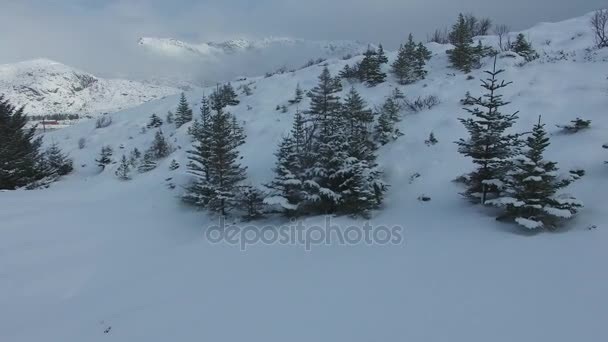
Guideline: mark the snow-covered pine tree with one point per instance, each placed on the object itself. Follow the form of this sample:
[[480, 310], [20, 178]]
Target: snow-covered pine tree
[[380, 55], [403, 66], [298, 97], [155, 121], [105, 157], [216, 169], [252, 200], [531, 187], [369, 69], [134, 157], [293, 159], [124, 171], [350, 73], [488, 144], [147, 163], [463, 57], [21, 162], [423, 55], [183, 114], [230, 98], [169, 117], [160, 147], [523, 48], [58, 163]]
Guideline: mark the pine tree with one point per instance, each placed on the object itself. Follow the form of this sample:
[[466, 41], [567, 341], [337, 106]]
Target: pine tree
[[287, 187], [147, 164], [350, 73], [105, 157], [369, 69], [488, 144], [252, 199], [20, 157], [160, 147], [463, 57], [404, 66], [324, 101], [155, 121], [384, 131], [299, 95], [523, 48], [216, 169], [380, 55], [174, 165], [531, 187], [183, 114], [169, 118], [134, 157], [58, 163], [431, 140], [423, 55], [124, 171], [229, 95]]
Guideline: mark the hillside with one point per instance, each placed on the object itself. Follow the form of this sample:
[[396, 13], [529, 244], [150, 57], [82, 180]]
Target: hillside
[[48, 87], [93, 258]]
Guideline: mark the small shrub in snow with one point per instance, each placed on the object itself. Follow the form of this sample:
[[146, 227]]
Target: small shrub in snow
[[155, 121], [424, 198], [147, 163], [252, 200], [421, 103], [575, 126], [283, 109], [123, 172], [431, 140], [82, 142], [174, 165], [103, 121], [105, 157]]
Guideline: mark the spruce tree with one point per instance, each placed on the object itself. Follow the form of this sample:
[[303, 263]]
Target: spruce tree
[[160, 147], [20, 157], [169, 117], [105, 157], [380, 55], [155, 121], [299, 95], [134, 157], [124, 171], [147, 164], [287, 187], [403, 66], [252, 200], [216, 169], [523, 48], [463, 57], [369, 69], [229, 96], [423, 55], [531, 187], [183, 114], [58, 163], [488, 144]]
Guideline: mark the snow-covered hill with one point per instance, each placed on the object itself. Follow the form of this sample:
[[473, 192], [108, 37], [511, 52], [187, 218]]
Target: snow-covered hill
[[94, 259], [48, 87]]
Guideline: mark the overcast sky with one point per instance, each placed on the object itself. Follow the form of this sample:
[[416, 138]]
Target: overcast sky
[[97, 35]]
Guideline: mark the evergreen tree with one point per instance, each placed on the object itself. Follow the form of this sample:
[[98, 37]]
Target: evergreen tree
[[531, 187], [134, 157], [385, 131], [147, 164], [20, 157], [431, 140], [105, 157], [124, 171], [183, 114], [463, 57], [299, 95], [155, 121], [380, 55], [488, 144], [403, 67], [229, 95], [216, 169], [252, 199], [523, 48], [287, 187], [169, 118], [160, 147], [350, 73], [58, 163], [423, 55], [369, 69]]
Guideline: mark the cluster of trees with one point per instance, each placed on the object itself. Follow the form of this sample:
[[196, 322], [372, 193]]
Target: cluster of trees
[[23, 163], [465, 55], [512, 173], [476, 27], [368, 70], [327, 164], [411, 59], [57, 117]]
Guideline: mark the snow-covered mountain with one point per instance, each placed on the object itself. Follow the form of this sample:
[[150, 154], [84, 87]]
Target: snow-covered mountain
[[177, 48], [48, 87], [94, 258]]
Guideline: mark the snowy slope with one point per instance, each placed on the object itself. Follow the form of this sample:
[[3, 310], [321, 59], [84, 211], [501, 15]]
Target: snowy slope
[[48, 87], [92, 252]]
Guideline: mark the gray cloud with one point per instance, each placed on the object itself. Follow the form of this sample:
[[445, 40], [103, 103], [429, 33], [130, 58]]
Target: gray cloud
[[101, 36]]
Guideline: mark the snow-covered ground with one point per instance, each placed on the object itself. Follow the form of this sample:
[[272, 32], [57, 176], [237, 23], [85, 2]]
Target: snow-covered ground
[[93, 258]]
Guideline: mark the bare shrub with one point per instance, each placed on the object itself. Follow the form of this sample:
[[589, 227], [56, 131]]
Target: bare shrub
[[421, 103], [103, 121], [599, 23], [440, 36], [502, 31]]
